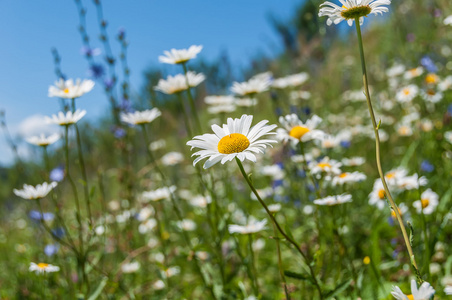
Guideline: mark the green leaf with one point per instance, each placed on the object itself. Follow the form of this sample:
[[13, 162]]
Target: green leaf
[[339, 289], [297, 276], [99, 289]]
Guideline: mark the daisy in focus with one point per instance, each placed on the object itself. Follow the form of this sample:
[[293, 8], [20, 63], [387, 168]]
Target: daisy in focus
[[181, 56], [236, 139], [352, 9], [41, 268], [141, 117], [295, 131], [425, 292], [30, 192], [68, 89]]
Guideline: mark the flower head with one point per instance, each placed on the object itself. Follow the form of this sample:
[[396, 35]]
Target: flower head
[[429, 201], [66, 119], [68, 89], [425, 292], [43, 268], [178, 83], [334, 200], [42, 140], [255, 85], [181, 56], [158, 194], [352, 9], [234, 139], [141, 117], [253, 226], [295, 130], [30, 192]]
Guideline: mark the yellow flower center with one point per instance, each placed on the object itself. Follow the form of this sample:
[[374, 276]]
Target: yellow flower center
[[324, 165], [366, 260], [425, 203], [343, 175], [410, 297], [66, 90], [381, 194], [43, 265], [390, 175], [404, 130], [355, 12], [233, 143], [394, 214], [431, 92], [431, 78], [297, 132], [406, 92]]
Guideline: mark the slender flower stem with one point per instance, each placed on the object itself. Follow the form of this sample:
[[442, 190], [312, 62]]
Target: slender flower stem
[[83, 169], [253, 265], [377, 144], [280, 266], [290, 240], [191, 100], [184, 112]]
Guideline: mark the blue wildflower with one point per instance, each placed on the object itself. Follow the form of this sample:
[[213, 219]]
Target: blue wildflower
[[51, 249], [426, 166], [37, 216], [96, 71], [428, 64], [57, 174]]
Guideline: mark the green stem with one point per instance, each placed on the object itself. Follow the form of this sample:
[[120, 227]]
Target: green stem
[[184, 113], [253, 265], [191, 100], [290, 240], [377, 144], [280, 266]]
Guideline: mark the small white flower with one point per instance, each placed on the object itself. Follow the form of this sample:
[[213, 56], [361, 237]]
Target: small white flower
[[178, 83], [425, 292], [246, 102], [326, 165], [395, 70], [186, 224], [30, 192], [274, 208], [348, 177], [145, 213], [445, 84], [130, 267], [181, 56], [234, 139], [41, 268], [290, 81], [147, 226], [172, 158], [200, 201], [413, 73], [66, 119], [351, 9], [429, 201], [253, 86], [353, 161], [431, 95], [42, 140], [219, 100], [158, 194], [295, 130], [411, 182], [378, 195], [273, 171], [448, 289], [69, 89], [216, 109], [448, 20], [334, 200], [407, 93], [141, 117], [158, 285], [448, 136], [404, 129], [253, 226]]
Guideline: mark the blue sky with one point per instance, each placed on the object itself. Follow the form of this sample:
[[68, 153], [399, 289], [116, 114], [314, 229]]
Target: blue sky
[[29, 29]]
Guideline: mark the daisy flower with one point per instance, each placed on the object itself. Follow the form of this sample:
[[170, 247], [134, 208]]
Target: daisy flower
[[395, 175], [428, 203], [404, 129], [445, 84], [172, 158], [395, 70], [334, 200], [295, 130], [131, 267], [448, 20], [158, 194], [186, 224], [413, 73], [378, 195], [353, 161], [41, 268], [69, 89], [67, 119], [253, 226], [216, 109], [448, 289], [290, 81], [351, 9], [425, 292], [234, 140], [141, 117], [431, 95], [253, 86], [407, 94], [219, 100], [178, 83], [432, 78], [274, 208], [181, 56], [327, 165], [448, 136], [348, 177], [30, 192], [42, 140], [411, 182]]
